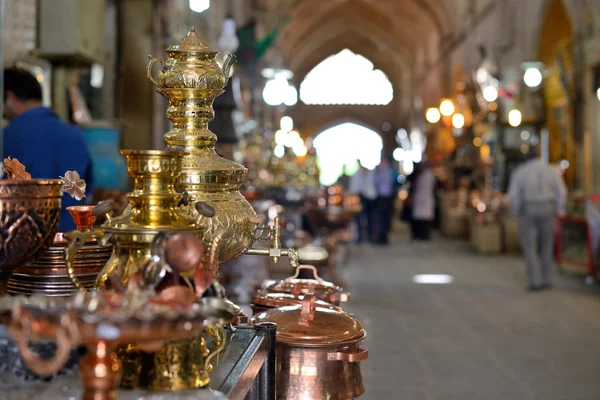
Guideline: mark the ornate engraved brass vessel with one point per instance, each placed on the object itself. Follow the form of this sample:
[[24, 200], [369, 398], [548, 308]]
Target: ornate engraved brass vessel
[[153, 209], [190, 80], [29, 211]]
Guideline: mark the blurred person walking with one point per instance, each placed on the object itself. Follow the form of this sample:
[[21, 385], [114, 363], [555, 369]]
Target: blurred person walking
[[384, 186], [362, 184], [537, 195], [423, 202]]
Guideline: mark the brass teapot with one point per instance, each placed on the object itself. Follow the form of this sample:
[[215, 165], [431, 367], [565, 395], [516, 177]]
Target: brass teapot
[[153, 208], [191, 65], [190, 80]]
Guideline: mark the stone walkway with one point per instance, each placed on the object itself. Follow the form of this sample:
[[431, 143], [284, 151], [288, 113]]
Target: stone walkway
[[482, 337]]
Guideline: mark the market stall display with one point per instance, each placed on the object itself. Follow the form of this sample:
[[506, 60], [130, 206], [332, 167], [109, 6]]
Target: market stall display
[[141, 291], [487, 212]]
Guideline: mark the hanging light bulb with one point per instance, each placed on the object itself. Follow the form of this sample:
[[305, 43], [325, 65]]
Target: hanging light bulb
[[272, 92], [532, 77], [458, 120], [490, 94], [432, 115], [280, 137], [199, 5], [514, 117], [228, 42], [277, 91], [446, 107], [286, 123], [291, 96], [279, 151]]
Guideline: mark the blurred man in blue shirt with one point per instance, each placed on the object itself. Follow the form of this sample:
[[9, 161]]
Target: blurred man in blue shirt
[[47, 146]]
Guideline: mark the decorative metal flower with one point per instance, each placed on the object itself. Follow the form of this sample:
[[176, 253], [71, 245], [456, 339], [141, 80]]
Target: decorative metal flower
[[14, 169], [73, 184]]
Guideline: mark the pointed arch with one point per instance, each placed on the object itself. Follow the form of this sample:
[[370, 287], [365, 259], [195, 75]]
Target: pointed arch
[[334, 82]]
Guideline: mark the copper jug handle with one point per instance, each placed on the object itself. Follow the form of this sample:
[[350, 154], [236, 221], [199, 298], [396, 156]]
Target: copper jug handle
[[76, 240], [149, 70], [308, 309], [301, 267], [361, 355], [21, 332]]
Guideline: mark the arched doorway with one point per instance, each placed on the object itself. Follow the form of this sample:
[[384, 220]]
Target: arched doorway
[[343, 148], [556, 52]]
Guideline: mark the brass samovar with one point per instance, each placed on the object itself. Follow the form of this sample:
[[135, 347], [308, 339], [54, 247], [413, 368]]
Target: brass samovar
[[153, 209], [191, 79]]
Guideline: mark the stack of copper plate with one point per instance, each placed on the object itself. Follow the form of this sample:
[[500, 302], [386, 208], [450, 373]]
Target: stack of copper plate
[[48, 275]]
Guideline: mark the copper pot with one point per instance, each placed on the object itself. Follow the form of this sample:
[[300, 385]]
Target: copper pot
[[322, 289], [318, 352], [268, 301]]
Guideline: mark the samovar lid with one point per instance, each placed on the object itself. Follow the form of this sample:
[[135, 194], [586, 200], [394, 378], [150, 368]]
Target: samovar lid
[[192, 43]]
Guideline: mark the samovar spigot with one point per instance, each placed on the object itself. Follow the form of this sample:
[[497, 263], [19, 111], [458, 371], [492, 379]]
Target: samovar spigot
[[275, 251]]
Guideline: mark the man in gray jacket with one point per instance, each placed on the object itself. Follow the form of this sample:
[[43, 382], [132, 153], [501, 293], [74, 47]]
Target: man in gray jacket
[[537, 196]]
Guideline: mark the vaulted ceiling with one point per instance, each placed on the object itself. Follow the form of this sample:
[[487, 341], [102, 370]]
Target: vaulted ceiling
[[396, 35]]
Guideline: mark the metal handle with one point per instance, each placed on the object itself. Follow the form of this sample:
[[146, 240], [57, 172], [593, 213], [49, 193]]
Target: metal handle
[[361, 355], [103, 208], [76, 240], [149, 70], [308, 309], [301, 267], [227, 64], [218, 334], [41, 366], [205, 209]]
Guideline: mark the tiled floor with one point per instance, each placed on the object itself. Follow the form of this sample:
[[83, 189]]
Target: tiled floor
[[481, 337]]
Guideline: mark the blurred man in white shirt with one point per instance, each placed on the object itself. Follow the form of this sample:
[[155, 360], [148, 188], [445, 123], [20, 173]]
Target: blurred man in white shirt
[[537, 196]]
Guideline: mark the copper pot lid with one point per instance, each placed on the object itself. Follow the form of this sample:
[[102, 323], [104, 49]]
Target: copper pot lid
[[309, 325], [277, 300], [296, 286]]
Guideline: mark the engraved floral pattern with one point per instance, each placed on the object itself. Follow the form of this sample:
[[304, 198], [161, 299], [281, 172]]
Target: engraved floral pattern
[[231, 212], [29, 215]]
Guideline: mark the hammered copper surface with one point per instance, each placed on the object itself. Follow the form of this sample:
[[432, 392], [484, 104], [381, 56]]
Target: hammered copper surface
[[29, 213], [318, 352], [308, 374], [324, 327]]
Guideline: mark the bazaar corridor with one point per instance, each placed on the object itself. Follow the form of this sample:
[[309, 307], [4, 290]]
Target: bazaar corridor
[[480, 337]]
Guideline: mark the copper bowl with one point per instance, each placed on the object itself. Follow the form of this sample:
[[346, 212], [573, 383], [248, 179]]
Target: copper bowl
[[29, 211]]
